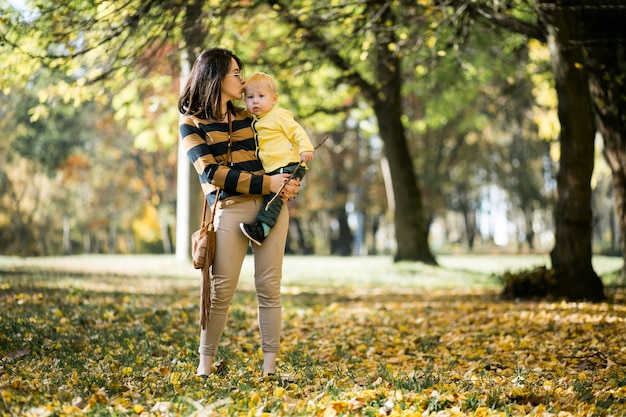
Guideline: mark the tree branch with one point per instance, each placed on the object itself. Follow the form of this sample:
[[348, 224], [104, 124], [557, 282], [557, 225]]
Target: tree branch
[[325, 47], [507, 22]]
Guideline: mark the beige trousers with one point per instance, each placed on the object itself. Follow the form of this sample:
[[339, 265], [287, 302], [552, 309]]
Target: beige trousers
[[230, 250]]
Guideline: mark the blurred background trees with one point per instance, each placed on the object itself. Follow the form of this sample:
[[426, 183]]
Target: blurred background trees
[[442, 123]]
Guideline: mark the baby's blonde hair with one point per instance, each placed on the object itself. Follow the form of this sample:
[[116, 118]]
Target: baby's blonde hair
[[263, 78]]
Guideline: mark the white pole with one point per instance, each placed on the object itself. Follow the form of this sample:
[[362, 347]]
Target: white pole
[[183, 234]]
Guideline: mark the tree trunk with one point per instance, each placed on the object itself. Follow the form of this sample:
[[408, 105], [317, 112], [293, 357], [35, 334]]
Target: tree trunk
[[604, 42], [67, 240], [409, 220], [530, 233], [384, 95], [373, 247], [469, 221], [410, 226], [166, 237], [341, 237], [571, 255], [299, 242]]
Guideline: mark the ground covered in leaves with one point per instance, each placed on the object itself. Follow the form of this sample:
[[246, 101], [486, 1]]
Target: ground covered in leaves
[[116, 345]]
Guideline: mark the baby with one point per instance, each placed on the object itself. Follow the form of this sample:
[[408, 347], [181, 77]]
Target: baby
[[284, 147]]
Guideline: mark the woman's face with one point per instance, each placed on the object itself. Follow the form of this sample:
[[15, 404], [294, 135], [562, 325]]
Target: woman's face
[[233, 83]]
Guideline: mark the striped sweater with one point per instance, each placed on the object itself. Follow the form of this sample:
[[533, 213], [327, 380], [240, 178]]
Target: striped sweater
[[206, 145]]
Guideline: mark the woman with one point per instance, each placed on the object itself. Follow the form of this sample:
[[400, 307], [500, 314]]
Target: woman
[[206, 105]]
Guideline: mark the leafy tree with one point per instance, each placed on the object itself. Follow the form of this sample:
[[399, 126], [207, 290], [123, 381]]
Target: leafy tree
[[79, 207], [138, 27], [369, 63], [34, 150], [80, 42], [50, 138], [577, 32], [369, 66], [466, 111], [571, 256], [601, 34]]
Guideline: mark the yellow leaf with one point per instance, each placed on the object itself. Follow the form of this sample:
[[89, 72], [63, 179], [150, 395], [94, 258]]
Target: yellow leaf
[[330, 411]]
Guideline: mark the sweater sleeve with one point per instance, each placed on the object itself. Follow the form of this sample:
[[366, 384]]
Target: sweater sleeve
[[294, 131], [208, 151]]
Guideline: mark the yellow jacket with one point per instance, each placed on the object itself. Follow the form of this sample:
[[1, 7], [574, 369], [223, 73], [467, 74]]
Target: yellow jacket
[[281, 139]]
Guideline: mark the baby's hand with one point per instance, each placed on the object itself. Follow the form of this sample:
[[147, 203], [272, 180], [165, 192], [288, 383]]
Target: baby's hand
[[306, 156]]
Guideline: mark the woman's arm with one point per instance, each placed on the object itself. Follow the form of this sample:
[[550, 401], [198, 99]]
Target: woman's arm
[[244, 175], [209, 160]]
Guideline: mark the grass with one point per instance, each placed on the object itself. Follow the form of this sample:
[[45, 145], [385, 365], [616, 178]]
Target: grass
[[455, 271], [117, 335]]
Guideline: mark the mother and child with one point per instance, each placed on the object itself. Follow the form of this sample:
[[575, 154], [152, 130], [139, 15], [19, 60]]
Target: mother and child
[[248, 154]]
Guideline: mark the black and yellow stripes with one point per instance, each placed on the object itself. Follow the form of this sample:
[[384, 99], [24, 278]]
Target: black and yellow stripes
[[206, 145]]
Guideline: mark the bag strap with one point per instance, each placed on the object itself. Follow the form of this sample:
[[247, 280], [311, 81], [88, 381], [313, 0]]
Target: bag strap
[[217, 191]]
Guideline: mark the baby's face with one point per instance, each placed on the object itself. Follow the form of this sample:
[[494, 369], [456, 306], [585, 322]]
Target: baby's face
[[259, 99]]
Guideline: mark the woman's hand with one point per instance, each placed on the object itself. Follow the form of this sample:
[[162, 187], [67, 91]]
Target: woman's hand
[[290, 189]]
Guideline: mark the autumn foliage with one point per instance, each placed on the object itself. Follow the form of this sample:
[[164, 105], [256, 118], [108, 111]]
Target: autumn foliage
[[80, 344]]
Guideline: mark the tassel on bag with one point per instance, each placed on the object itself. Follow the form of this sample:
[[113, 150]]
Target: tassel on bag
[[205, 298], [202, 257]]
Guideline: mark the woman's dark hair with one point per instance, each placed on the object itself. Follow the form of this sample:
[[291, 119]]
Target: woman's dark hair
[[201, 95]]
